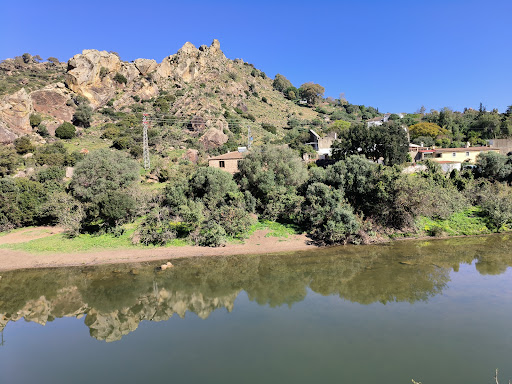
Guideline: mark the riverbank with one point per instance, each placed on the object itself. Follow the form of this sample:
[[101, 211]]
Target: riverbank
[[257, 243]]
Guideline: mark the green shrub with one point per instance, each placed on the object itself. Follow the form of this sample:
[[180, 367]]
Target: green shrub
[[211, 235], [157, 228], [264, 99], [42, 131], [119, 78], [65, 131], [269, 128], [83, 116], [35, 120], [103, 72], [23, 145]]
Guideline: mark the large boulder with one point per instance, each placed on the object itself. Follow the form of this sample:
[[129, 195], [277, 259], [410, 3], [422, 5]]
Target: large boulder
[[145, 66], [213, 138], [15, 111], [90, 75]]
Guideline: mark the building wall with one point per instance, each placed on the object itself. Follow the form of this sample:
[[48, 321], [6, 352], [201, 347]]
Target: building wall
[[504, 145], [469, 156], [230, 165]]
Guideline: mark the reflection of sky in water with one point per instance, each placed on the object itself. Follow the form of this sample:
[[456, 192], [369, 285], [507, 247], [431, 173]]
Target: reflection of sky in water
[[453, 326]]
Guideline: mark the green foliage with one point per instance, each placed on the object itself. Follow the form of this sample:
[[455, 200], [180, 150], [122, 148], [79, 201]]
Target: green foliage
[[42, 131], [82, 116], [10, 216], [494, 166], [496, 204], [63, 210], [273, 176], [326, 215], [211, 235], [281, 83], [104, 182], [23, 145], [30, 196], [467, 223], [35, 120], [426, 129], [311, 92], [269, 128], [65, 131], [157, 228], [388, 142], [103, 72], [211, 186], [120, 79], [9, 160]]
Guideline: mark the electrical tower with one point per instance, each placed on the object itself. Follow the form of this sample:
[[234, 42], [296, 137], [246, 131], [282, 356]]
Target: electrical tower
[[145, 147]]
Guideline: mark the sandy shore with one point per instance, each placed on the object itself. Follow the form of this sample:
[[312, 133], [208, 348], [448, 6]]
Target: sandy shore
[[256, 244]]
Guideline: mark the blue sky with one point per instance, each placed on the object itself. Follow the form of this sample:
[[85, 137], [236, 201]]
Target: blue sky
[[394, 55]]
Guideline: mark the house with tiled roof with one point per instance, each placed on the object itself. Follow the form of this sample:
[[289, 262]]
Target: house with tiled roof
[[228, 161]]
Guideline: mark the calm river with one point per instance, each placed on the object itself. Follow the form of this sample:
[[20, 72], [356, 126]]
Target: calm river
[[434, 311]]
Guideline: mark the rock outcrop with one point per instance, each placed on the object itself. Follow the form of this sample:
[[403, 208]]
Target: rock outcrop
[[88, 73], [15, 111], [213, 138], [52, 102]]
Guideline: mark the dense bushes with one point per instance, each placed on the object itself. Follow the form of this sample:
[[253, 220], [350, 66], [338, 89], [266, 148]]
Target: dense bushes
[[105, 183]]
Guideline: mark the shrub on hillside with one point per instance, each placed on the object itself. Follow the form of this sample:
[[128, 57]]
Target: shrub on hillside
[[35, 120], [42, 131], [119, 78], [23, 145], [65, 131], [8, 160], [83, 116]]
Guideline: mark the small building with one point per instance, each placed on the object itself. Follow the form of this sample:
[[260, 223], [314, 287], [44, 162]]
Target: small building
[[460, 155], [322, 145], [228, 161], [379, 120], [415, 151]]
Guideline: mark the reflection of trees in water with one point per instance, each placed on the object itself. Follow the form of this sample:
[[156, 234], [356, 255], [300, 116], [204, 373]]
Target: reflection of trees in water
[[115, 302]]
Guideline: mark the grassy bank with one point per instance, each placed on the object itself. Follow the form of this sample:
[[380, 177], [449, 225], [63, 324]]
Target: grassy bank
[[60, 243]]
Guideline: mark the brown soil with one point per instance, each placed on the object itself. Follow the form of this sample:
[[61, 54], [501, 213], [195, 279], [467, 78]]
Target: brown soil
[[256, 244], [28, 234]]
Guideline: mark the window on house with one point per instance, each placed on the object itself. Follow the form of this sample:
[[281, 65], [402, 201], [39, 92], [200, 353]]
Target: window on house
[[454, 154], [222, 164], [467, 154]]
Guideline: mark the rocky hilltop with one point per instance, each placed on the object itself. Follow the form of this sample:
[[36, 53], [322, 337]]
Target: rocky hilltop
[[199, 86]]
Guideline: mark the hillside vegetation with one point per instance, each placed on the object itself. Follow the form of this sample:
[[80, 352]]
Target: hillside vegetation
[[87, 115]]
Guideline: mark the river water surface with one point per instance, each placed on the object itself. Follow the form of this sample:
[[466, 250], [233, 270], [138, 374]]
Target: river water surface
[[434, 311]]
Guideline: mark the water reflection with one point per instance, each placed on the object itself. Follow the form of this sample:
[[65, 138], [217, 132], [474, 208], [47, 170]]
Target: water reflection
[[115, 299]]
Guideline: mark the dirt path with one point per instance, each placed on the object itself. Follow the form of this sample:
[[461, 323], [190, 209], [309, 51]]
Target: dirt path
[[256, 244], [27, 234]]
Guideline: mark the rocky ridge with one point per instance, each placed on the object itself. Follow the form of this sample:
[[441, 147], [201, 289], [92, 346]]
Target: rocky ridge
[[200, 82]]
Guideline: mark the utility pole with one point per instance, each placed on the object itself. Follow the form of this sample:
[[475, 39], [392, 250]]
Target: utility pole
[[145, 146], [249, 138]]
